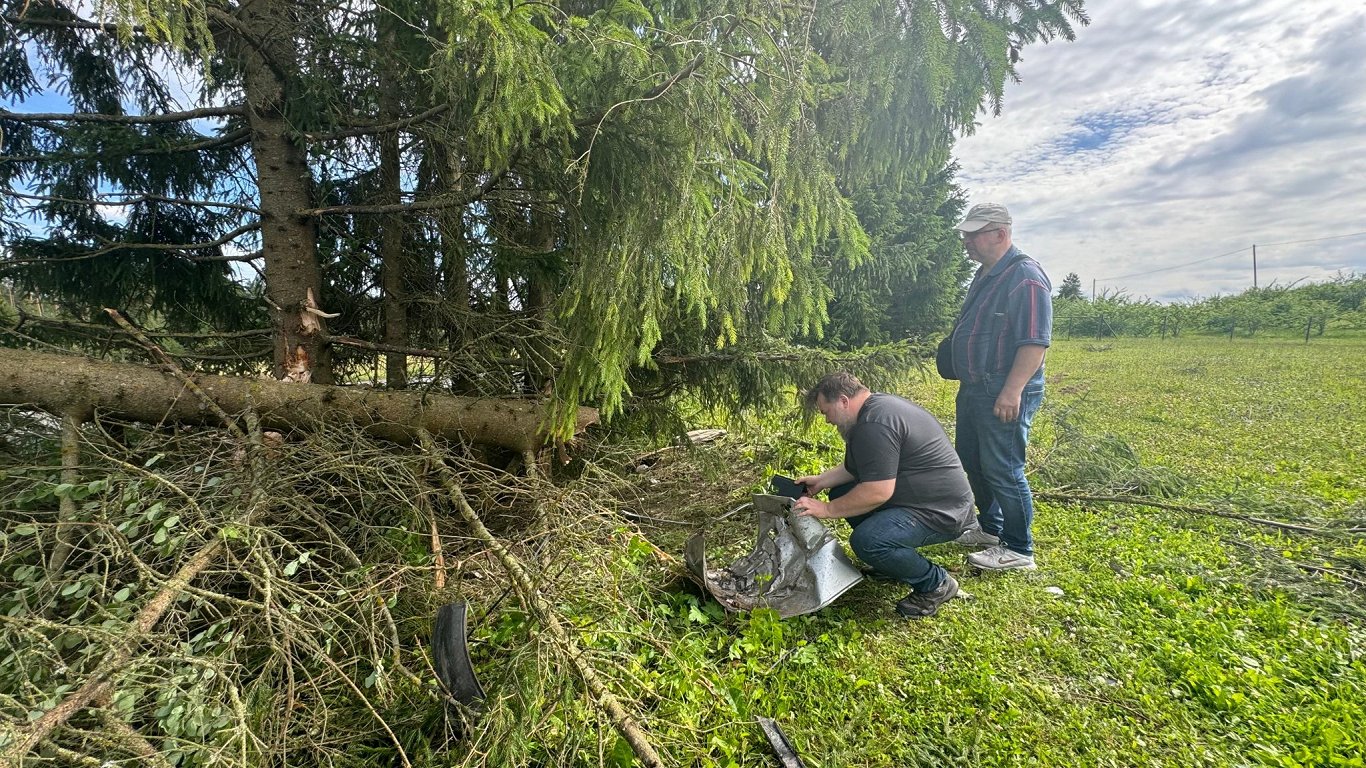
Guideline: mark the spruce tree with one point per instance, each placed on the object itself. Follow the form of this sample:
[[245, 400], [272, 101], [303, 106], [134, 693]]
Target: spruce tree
[[1071, 287], [573, 198]]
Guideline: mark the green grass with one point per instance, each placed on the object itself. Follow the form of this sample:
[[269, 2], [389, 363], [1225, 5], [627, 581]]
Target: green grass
[[1179, 640], [1277, 414]]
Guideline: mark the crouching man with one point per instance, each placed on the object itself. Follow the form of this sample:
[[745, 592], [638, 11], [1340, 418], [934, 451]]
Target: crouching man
[[901, 487]]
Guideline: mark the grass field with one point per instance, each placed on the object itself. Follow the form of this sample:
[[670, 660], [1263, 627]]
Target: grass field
[[1180, 638]]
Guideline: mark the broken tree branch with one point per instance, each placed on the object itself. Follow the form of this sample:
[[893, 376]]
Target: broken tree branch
[[66, 512], [101, 682], [532, 599], [1191, 508], [170, 367]]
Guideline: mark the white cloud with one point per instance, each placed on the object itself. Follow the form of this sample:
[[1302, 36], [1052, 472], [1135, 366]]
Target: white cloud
[[1172, 131]]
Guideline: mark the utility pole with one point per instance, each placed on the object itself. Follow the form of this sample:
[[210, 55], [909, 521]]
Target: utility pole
[[1254, 265], [1093, 290]]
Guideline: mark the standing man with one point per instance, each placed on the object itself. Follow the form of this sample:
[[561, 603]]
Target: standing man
[[998, 347], [901, 487]]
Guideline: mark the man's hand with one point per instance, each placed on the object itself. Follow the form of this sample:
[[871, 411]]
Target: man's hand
[[1007, 406], [812, 507], [1028, 358], [812, 483]]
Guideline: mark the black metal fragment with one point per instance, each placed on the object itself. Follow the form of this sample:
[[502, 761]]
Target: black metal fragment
[[787, 754], [451, 655]]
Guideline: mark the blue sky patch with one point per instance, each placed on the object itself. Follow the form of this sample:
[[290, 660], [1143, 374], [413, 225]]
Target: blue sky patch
[[1096, 130]]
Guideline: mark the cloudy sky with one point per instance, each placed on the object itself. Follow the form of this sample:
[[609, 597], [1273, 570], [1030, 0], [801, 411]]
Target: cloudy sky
[[1153, 152]]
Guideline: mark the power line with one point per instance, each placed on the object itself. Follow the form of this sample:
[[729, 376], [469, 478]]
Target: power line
[[1314, 240], [1177, 266], [1231, 253]]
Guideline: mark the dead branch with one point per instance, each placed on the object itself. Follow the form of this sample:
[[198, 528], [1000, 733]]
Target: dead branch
[[66, 513], [532, 600], [369, 129], [101, 681], [26, 318], [1190, 508], [80, 117], [418, 205], [170, 366]]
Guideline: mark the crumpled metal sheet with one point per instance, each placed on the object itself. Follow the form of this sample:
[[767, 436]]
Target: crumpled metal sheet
[[797, 565]]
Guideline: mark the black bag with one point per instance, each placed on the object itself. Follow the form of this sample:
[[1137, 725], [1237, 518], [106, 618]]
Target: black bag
[[943, 359]]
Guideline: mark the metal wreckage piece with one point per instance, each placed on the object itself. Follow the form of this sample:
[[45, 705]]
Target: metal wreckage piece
[[782, 746], [797, 565], [451, 654]]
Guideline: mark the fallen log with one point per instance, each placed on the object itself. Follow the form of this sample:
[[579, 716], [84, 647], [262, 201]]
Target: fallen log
[[72, 384]]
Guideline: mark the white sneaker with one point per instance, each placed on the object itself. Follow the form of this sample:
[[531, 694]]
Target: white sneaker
[[976, 537], [999, 558]]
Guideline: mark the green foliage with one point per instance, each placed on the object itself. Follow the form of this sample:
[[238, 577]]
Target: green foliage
[[912, 285], [284, 635], [180, 23], [599, 186], [1294, 310]]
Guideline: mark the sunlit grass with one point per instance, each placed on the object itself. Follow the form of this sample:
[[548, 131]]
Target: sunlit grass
[[1178, 640]]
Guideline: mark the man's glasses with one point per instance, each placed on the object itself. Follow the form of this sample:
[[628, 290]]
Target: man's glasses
[[970, 235]]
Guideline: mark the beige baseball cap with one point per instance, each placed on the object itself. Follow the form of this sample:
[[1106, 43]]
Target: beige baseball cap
[[983, 215]]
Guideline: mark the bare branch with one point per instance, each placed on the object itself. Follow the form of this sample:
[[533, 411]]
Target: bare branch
[[226, 141], [26, 318], [654, 93], [418, 205], [172, 368], [368, 129], [349, 341], [101, 682], [133, 201], [112, 247], [1191, 508], [82, 117]]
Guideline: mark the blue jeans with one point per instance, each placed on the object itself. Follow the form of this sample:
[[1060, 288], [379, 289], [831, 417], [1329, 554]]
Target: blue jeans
[[887, 540], [993, 455]]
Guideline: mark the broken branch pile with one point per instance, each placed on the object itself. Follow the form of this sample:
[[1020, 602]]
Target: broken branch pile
[[212, 609]]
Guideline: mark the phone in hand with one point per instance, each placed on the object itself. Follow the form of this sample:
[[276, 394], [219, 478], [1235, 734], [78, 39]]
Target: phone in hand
[[786, 486]]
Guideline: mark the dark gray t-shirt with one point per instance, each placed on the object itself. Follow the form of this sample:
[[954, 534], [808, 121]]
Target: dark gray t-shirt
[[895, 438]]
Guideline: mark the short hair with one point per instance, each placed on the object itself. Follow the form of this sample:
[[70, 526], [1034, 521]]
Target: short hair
[[832, 385]]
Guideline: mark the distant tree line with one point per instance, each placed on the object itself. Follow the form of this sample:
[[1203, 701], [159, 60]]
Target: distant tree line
[[1314, 309]]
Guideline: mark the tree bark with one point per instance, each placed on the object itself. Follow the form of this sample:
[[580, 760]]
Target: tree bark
[[66, 512], [393, 268], [264, 39], [455, 278], [63, 384], [541, 292]]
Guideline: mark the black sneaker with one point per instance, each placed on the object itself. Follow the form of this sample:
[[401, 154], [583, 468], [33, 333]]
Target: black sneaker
[[919, 605]]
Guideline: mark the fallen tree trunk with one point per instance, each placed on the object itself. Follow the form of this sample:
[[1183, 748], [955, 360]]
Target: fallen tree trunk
[[62, 384]]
